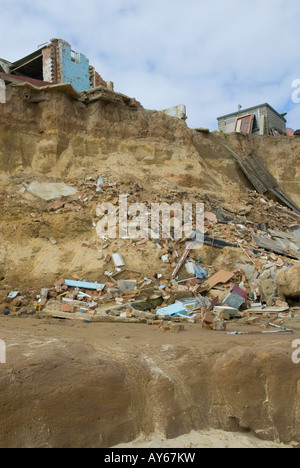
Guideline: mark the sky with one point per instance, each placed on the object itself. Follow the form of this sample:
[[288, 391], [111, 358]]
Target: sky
[[210, 55]]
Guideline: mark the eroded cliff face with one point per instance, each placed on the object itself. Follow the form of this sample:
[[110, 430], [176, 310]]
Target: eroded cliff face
[[144, 153], [62, 136]]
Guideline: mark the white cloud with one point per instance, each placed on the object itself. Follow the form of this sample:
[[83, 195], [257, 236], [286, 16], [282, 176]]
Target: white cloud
[[209, 55]]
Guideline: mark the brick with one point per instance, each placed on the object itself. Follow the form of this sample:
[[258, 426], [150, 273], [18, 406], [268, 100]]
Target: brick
[[266, 315], [278, 322], [56, 205], [59, 282], [156, 323], [65, 308], [252, 320], [208, 317]]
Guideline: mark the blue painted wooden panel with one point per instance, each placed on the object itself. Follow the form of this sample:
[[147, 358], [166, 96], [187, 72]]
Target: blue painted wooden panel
[[74, 72]]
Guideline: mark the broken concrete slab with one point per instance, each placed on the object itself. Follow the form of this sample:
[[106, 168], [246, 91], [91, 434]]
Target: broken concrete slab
[[127, 285], [249, 270], [118, 260], [269, 244], [51, 191]]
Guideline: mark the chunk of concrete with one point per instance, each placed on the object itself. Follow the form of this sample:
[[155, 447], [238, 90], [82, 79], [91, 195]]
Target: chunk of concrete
[[118, 260], [49, 191], [126, 286], [288, 282]]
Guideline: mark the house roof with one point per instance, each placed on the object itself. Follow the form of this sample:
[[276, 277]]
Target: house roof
[[17, 79], [243, 111]]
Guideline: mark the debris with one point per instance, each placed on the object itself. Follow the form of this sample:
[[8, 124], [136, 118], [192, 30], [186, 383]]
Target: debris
[[211, 217], [252, 320], [280, 329], [127, 286], [84, 284], [189, 303], [182, 260], [249, 270], [269, 244], [218, 243], [236, 298], [226, 313], [174, 310], [200, 273], [266, 310], [220, 277], [118, 260], [13, 294], [172, 328], [219, 325], [165, 258], [189, 267], [288, 282], [45, 293], [48, 191]]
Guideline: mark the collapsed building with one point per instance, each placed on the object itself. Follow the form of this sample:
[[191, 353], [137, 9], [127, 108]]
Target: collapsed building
[[54, 63]]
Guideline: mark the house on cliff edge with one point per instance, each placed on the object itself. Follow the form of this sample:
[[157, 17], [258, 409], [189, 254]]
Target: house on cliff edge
[[260, 120], [54, 63]]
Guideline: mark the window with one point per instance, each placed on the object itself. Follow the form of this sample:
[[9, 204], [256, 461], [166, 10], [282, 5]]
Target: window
[[255, 127], [244, 124], [75, 57]]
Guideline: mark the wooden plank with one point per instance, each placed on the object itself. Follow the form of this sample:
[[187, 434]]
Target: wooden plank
[[221, 276]]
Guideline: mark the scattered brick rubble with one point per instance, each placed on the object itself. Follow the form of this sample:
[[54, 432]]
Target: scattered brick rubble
[[238, 296]]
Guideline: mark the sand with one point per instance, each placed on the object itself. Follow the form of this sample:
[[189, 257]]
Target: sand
[[204, 439]]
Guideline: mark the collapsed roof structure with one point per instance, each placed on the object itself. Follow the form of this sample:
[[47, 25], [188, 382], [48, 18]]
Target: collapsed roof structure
[[54, 63]]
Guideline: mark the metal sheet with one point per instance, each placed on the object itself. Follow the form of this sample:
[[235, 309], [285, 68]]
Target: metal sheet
[[84, 285], [270, 244]]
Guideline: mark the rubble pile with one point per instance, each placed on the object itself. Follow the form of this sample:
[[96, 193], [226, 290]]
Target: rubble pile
[[258, 245]]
